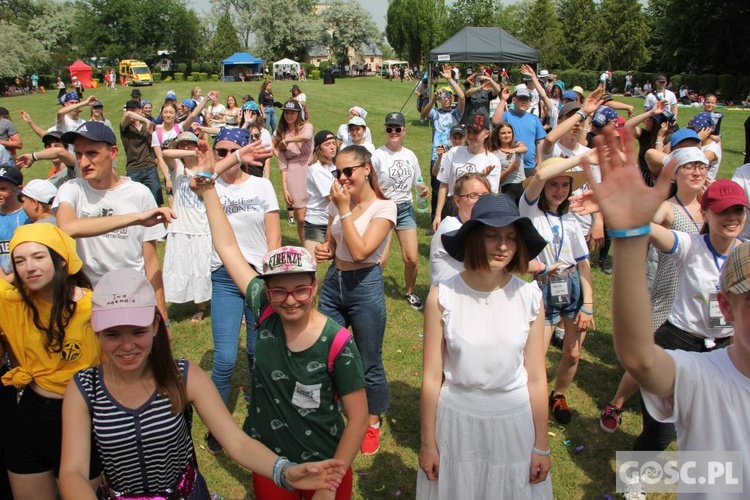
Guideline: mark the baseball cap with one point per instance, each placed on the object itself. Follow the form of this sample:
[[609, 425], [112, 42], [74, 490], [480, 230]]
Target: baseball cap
[[251, 105], [395, 118], [569, 95], [51, 136], [684, 134], [171, 96], [735, 276], [183, 137], [323, 136], [4, 111], [723, 194], [358, 121], [133, 105], [288, 260], [11, 174], [93, 131], [569, 107], [40, 190], [686, 155], [661, 78], [458, 129], [97, 104], [522, 93], [122, 297], [292, 105], [478, 121], [527, 78], [294, 87]]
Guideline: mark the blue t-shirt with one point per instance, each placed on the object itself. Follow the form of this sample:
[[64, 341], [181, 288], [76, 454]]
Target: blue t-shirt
[[442, 122], [527, 129], [8, 225]]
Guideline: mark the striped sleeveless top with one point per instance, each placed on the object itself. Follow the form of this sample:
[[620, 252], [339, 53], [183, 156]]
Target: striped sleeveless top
[[143, 450]]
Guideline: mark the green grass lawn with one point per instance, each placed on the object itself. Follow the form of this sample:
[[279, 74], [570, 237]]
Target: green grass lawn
[[393, 469]]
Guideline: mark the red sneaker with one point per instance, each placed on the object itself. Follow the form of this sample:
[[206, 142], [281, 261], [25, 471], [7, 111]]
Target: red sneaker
[[371, 442], [610, 419]]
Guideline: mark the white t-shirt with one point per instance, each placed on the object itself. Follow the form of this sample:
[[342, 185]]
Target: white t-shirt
[[345, 138], [458, 161], [122, 248], [565, 241], [442, 265], [697, 277], [160, 135], [486, 332], [215, 114], [708, 406], [713, 166], [655, 96], [265, 137], [246, 206], [190, 210], [398, 172], [742, 177], [68, 124], [319, 182]]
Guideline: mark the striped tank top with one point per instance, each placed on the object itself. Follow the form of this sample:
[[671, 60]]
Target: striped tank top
[[143, 450]]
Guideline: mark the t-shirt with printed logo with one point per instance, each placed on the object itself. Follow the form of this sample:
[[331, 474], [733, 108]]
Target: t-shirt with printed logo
[[293, 408]]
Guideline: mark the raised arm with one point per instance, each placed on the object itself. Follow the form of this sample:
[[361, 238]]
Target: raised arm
[[195, 112], [62, 154], [529, 71], [36, 128], [590, 105], [67, 109], [69, 222], [535, 187]]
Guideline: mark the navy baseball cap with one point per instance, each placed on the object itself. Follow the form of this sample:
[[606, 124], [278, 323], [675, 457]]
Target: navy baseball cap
[[11, 174], [93, 131]]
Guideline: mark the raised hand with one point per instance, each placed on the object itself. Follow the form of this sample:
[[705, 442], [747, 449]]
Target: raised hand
[[593, 101], [156, 216], [24, 161], [255, 153], [527, 70]]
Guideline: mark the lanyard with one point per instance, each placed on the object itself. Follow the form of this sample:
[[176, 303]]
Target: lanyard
[[716, 256], [688, 213], [558, 248]]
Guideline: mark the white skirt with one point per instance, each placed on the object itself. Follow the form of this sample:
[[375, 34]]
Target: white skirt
[[485, 441], [187, 268]]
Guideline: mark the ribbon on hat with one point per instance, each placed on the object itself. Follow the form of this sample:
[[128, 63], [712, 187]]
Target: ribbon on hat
[[52, 237], [239, 136], [19, 377]]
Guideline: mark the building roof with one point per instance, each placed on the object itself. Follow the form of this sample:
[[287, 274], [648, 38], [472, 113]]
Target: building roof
[[370, 49]]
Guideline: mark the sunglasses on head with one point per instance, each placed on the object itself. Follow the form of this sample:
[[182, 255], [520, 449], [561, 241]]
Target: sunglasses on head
[[222, 152], [348, 171], [390, 130]]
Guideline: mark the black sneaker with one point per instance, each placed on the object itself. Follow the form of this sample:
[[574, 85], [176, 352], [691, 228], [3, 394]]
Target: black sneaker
[[414, 301], [212, 445], [430, 232], [605, 266], [559, 408]]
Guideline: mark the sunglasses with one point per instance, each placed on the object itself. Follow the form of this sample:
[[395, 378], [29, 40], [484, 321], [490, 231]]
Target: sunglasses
[[279, 295], [348, 171], [222, 152], [255, 137], [390, 130]]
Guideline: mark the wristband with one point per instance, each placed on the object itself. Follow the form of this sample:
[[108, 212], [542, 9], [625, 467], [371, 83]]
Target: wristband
[[586, 311], [582, 115], [348, 214], [629, 233], [545, 272], [33, 156], [541, 453], [237, 155], [658, 144]]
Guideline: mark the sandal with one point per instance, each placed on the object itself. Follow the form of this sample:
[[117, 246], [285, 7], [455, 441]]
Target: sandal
[[197, 317]]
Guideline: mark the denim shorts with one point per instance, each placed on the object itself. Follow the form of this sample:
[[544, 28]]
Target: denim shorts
[[553, 313], [315, 233], [406, 218]]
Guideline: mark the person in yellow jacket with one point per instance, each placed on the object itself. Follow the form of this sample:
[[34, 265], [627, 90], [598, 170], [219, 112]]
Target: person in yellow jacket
[[45, 318]]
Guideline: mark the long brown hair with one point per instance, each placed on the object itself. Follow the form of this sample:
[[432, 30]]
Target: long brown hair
[[283, 127], [362, 155], [476, 258], [167, 375], [495, 137], [63, 306]]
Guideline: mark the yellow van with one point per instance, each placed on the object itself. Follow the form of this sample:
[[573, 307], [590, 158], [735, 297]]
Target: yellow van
[[135, 72]]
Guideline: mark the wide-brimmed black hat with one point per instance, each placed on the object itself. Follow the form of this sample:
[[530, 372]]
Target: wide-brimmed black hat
[[494, 211]]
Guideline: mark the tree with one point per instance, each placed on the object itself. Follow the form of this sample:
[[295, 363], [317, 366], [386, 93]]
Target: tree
[[542, 30], [624, 34], [472, 13], [242, 14], [414, 27], [22, 54], [348, 25], [511, 17], [285, 28], [582, 37], [225, 41]]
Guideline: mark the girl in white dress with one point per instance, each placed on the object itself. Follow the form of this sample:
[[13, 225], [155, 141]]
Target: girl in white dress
[[483, 405]]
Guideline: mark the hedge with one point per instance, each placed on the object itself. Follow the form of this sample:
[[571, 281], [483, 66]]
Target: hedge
[[314, 75]]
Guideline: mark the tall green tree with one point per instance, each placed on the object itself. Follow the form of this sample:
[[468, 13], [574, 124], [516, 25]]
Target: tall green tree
[[285, 28], [543, 31], [22, 54], [347, 25], [414, 27], [471, 13], [242, 14], [581, 26], [624, 34], [225, 41], [511, 17]]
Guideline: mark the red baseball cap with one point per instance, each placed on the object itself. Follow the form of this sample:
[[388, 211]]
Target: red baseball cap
[[723, 194]]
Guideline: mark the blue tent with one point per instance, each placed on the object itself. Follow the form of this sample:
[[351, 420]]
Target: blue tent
[[241, 63]]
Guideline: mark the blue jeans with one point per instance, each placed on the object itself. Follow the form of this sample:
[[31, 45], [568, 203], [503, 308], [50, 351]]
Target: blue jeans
[[270, 117], [357, 299], [149, 177], [227, 306]]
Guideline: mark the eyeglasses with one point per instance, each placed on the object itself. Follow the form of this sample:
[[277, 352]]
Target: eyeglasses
[[472, 197], [279, 295], [348, 171], [390, 130], [255, 137], [693, 165], [222, 152]]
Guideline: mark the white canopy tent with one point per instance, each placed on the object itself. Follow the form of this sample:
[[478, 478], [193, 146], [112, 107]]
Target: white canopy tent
[[285, 66], [388, 63]]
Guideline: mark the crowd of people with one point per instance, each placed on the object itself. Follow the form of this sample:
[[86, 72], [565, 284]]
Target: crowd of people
[[528, 184]]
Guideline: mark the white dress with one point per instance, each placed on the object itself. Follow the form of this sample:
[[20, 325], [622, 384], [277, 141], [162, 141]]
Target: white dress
[[485, 428], [187, 255]]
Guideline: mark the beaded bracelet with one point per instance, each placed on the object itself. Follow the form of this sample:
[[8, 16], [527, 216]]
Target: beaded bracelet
[[277, 467], [629, 233], [541, 453]]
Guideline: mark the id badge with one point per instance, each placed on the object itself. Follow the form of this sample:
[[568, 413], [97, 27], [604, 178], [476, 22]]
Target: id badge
[[715, 317], [558, 287]]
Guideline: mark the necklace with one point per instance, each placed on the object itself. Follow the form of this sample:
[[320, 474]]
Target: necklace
[[117, 391]]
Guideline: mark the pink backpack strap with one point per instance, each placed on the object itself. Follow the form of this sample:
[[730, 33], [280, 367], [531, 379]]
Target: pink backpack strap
[[160, 135], [339, 342], [265, 313]]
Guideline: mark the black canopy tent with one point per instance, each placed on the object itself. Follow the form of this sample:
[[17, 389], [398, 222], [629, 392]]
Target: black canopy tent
[[490, 45]]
